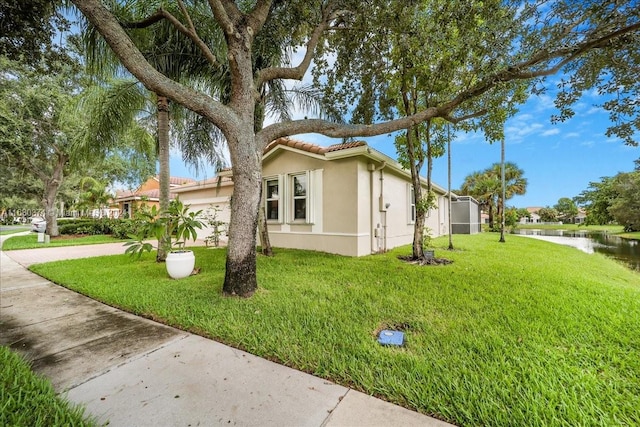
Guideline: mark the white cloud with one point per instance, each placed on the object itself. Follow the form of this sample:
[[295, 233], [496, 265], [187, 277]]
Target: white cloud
[[550, 132]]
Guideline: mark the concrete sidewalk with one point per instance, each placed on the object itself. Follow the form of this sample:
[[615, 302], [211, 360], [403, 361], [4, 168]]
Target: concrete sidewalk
[[130, 371]]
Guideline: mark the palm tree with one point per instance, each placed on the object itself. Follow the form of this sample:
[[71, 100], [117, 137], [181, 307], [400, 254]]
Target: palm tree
[[94, 194], [486, 187], [177, 57]]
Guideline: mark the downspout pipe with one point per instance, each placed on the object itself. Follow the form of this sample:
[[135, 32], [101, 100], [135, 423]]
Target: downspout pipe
[[372, 170]]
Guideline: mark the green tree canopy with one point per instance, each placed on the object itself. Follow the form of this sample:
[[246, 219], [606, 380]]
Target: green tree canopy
[[548, 214], [486, 187], [597, 199], [625, 208], [524, 42], [566, 208]]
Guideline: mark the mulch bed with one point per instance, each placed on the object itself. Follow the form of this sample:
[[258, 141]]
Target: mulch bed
[[424, 260]]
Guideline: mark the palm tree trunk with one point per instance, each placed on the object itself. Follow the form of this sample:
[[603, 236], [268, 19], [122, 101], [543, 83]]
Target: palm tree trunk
[[164, 173], [503, 192], [449, 188]]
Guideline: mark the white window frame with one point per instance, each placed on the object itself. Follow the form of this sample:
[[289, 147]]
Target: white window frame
[[280, 198], [292, 198], [411, 206]]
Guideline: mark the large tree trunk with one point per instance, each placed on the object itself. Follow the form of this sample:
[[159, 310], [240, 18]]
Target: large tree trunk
[[240, 276], [164, 173], [51, 186], [246, 159]]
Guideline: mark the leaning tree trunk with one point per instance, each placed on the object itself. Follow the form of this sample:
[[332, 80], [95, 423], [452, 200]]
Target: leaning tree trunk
[[51, 186], [163, 174]]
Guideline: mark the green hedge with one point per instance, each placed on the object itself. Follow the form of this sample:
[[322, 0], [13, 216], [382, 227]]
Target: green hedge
[[118, 228]]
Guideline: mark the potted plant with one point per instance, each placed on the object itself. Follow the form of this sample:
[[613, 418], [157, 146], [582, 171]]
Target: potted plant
[[172, 230]]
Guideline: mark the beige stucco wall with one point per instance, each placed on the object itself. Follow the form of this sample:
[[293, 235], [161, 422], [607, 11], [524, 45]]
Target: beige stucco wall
[[333, 193], [201, 197], [397, 217], [344, 204], [349, 206]]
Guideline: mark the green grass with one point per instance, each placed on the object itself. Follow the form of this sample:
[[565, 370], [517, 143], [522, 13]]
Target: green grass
[[615, 229], [521, 333], [29, 400], [635, 235], [13, 230], [31, 241]]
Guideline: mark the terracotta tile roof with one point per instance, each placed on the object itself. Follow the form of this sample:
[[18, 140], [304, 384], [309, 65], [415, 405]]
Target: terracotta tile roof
[[311, 148], [346, 145], [150, 194], [178, 180]]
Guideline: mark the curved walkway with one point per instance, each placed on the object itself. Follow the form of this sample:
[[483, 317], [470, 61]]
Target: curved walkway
[[130, 371]]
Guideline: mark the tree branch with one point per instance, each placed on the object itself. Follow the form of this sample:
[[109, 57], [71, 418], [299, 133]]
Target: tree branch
[[514, 72], [456, 120], [259, 15], [341, 130], [297, 73], [190, 32], [131, 57], [222, 14]]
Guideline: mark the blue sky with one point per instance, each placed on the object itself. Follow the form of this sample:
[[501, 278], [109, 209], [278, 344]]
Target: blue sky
[[559, 160]]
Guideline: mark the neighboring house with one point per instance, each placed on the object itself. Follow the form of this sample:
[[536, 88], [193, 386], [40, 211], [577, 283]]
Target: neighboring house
[[581, 217], [346, 199], [534, 217], [484, 217], [148, 193], [214, 193]]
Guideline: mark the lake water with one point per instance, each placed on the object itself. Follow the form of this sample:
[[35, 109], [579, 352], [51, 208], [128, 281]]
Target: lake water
[[625, 250]]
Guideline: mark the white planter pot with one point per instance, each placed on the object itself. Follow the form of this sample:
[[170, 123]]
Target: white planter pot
[[180, 264]]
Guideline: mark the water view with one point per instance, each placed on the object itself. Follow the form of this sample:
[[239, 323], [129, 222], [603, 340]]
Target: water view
[[625, 250]]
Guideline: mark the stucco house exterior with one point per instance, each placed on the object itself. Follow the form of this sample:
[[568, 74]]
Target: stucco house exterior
[[347, 199], [534, 217], [148, 192]]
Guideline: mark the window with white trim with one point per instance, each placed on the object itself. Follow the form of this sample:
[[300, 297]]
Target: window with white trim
[[299, 192], [411, 211], [272, 199]]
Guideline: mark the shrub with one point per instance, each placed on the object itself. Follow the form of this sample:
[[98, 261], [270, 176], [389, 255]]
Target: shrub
[[124, 228]]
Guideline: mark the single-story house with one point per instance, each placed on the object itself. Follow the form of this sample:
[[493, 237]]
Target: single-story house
[[533, 218], [346, 199], [148, 193]]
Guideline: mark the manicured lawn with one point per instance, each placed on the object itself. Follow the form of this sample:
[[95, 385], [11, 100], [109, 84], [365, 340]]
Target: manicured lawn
[[28, 400], [520, 333], [13, 230], [634, 235], [31, 241], [608, 228]]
